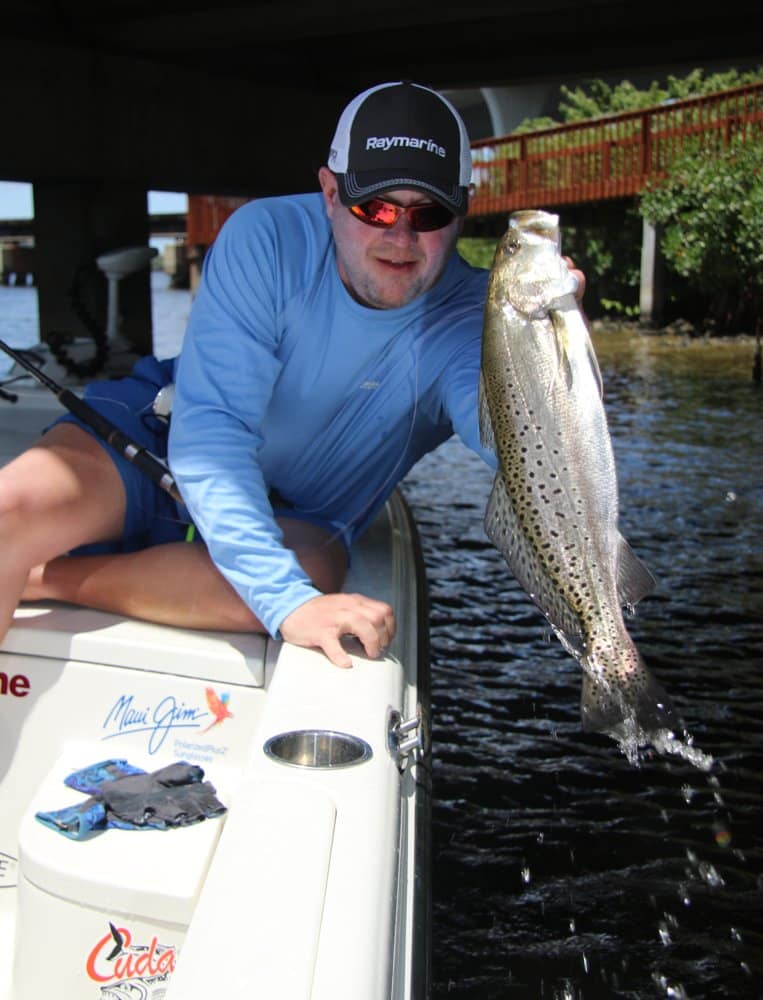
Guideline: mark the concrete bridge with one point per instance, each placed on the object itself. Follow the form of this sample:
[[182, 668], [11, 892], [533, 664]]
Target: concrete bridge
[[105, 102]]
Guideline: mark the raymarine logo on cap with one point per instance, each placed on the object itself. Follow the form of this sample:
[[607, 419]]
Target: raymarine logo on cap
[[389, 141]]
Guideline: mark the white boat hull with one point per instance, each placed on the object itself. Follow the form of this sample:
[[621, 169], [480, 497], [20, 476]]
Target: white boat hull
[[314, 884]]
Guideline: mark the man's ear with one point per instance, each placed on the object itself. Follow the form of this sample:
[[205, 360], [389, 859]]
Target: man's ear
[[329, 189]]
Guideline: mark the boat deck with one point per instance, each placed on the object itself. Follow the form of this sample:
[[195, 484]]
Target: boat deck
[[301, 851]]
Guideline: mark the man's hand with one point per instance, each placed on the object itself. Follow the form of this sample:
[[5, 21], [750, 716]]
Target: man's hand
[[579, 277], [323, 621]]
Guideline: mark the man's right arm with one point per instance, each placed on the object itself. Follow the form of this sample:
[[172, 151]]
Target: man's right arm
[[225, 378], [224, 381]]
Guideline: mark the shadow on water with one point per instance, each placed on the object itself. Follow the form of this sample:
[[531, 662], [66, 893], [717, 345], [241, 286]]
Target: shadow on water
[[561, 871]]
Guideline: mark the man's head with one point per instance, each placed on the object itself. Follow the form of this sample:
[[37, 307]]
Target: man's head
[[397, 145], [402, 135]]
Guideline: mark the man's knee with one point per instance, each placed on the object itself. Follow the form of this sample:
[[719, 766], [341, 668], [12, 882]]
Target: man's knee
[[65, 484]]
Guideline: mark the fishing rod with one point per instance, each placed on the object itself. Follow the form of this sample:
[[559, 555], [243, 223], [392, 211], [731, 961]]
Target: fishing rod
[[153, 467]]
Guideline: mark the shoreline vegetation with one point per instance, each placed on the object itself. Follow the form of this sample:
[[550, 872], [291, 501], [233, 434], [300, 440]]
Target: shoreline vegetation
[[706, 210], [680, 332], [478, 251]]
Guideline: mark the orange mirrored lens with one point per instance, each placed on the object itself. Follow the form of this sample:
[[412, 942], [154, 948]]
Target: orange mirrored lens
[[421, 218]]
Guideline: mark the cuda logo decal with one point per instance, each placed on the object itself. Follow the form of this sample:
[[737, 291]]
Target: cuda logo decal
[[127, 970]]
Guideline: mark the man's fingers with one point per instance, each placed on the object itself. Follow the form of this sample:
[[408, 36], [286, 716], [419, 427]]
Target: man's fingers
[[336, 652], [323, 621], [579, 277]]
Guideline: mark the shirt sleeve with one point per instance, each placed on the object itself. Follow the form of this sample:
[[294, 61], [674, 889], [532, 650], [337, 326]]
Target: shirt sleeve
[[224, 381], [461, 397]]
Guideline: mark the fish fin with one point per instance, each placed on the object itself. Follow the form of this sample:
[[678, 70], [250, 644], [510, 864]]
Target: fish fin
[[634, 580], [636, 712], [505, 532], [561, 338], [594, 361], [559, 313], [487, 437]]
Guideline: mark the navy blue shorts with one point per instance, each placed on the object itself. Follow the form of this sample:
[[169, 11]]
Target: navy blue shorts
[[152, 517]]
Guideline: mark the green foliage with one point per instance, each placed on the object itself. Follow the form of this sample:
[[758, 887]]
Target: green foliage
[[619, 309], [605, 243], [477, 250], [710, 207], [534, 125], [596, 98]]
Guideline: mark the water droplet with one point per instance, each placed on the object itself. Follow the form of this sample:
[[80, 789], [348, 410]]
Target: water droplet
[[541, 837], [526, 876], [731, 496], [710, 875], [735, 935], [572, 925], [676, 992], [664, 933], [688, 793]]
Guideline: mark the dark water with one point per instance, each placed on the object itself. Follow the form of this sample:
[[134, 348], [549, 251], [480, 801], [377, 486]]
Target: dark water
[[561, 870]]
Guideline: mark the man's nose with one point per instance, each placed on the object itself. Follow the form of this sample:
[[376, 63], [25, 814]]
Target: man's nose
[[400, 231]]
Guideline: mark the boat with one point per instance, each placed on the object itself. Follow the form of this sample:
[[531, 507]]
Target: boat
[[315, 881]]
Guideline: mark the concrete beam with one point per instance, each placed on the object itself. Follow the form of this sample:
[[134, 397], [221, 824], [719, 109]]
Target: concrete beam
[[94, 131], [86, 116]]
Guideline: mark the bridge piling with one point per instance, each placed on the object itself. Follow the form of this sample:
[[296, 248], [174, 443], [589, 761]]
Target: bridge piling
[[652, 288]]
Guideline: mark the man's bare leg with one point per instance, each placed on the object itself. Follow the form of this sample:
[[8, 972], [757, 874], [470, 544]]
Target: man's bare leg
[[177, 583], [63, 492]]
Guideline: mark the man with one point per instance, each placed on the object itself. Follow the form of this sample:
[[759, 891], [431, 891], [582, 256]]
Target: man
[[335, 339]]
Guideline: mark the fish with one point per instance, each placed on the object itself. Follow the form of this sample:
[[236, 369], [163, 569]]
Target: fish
[[553, 509]]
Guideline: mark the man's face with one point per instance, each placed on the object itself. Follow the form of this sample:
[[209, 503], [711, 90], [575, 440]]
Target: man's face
[[387, 268]]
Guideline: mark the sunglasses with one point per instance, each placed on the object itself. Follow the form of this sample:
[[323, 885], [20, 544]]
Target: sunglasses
[[421, 218]]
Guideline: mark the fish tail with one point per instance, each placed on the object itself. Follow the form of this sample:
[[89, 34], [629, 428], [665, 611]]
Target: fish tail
[[628, 705]]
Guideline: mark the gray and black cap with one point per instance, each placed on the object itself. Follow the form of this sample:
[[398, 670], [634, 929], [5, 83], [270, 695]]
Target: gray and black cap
[[402, 135]]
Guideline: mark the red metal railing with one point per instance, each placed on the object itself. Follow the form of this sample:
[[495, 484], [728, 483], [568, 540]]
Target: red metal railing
[[611, 157]]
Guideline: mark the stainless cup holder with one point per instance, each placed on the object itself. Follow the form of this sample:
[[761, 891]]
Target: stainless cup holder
[[319, 748]]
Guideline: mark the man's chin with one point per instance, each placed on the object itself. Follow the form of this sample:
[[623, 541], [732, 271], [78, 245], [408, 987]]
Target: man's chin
[[397, 290]]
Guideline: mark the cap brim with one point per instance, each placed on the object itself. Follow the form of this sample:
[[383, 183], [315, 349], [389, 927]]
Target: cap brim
[[355, 188]]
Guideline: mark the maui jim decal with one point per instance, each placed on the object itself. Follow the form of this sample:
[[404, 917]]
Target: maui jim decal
[[128, 716], [126, 969]]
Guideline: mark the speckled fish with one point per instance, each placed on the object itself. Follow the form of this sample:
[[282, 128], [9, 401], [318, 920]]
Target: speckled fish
[[553, 510]]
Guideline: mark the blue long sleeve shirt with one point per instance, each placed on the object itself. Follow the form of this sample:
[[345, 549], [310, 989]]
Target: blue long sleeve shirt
[[285, 382]]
